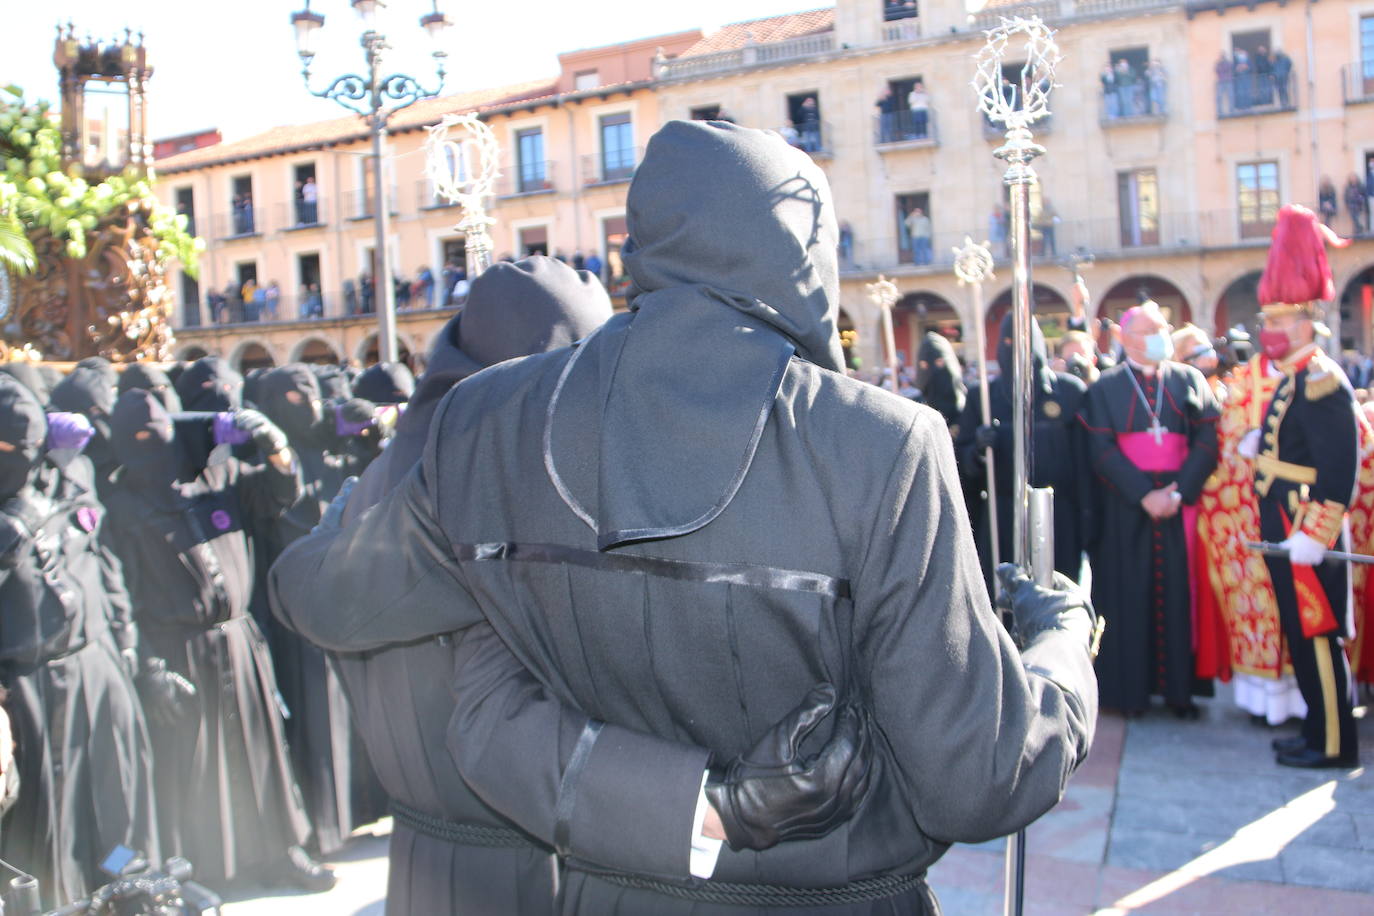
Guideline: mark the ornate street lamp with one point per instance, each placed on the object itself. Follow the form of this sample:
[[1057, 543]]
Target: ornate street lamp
[[376, 98]]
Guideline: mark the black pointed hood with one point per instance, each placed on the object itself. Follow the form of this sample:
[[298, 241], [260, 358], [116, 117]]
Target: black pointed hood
[[150, 379], [385, 383], [658, 416], [143, 445], [24, 427], [290, 397], [1040, 368], [30, 378]]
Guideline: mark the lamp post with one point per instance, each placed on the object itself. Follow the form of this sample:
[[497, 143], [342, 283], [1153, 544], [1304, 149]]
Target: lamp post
[[376, 97]]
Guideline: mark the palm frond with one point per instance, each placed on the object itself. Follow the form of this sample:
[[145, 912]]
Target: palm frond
[[16, 251]]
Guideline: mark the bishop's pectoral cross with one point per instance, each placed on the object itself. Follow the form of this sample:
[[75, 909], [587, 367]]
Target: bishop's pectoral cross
[[1157, 430]]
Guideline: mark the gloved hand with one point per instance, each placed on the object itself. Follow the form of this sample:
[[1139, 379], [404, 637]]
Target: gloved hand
[[1249, 445], [330, 520], [1036, 609], [265, 434], [770, 794], [986, 436], [167, 696], [353, 416], [15, 537], [226, 433], [69, 431], [1304, 550]]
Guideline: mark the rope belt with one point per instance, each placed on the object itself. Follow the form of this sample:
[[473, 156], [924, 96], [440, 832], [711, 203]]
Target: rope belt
[[770, 895], [456, 832]]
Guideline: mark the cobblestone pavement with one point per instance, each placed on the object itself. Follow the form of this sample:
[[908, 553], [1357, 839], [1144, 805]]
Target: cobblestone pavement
[[1166, 818]]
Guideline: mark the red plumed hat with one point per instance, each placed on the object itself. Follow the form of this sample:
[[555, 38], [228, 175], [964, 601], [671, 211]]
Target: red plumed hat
[[1296, 273]]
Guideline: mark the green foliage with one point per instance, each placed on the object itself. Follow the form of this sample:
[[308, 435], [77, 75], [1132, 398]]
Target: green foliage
[[35, 191]]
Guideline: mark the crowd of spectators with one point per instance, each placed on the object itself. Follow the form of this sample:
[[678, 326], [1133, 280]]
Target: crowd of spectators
[[1130, 91], [1253, 79]]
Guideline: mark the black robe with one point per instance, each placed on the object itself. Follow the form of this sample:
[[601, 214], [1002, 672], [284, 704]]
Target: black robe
[[340, 788], [227, 797], [1141, 578], [83, 755], [709, 635], [940, 379]]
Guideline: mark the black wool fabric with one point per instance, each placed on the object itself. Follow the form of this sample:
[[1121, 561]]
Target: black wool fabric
[[28, 376], [385, 383], [940, 377], [87, 392], [335, 385], [24, 426], [150, 379], [101, 365], [208, 384]]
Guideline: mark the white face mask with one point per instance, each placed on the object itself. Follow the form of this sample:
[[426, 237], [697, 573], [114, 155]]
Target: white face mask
[[1159, 347]]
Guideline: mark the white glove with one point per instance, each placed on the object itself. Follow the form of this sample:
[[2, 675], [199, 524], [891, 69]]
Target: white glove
[[1249, 444], [1304, 550]]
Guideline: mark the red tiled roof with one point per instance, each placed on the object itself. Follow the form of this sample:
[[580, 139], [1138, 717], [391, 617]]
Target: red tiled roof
[[764, 31], [350, 128]]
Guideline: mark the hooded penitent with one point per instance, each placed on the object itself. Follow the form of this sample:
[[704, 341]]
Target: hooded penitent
[[335, 385], [1042, 378], [150, 379], [385, 383], [142, 440], [740, 280], [23, 427], [30, 378], [208, 384], [290, 397], [939, 376], [86, 391]]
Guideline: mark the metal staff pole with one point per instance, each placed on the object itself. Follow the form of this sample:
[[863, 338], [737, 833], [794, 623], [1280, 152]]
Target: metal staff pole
[[1017, 105], [883, 293], [463, 170], [973, 267]]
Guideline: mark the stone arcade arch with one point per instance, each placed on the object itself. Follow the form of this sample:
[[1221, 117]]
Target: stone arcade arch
[[1239, 303], [919, 312], [252, 355], [1129, 291], [315, 350], [366, 353]]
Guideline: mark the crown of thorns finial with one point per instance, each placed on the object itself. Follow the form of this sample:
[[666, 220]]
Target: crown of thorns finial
[[972, 262], [464, 166], [1019, 103]]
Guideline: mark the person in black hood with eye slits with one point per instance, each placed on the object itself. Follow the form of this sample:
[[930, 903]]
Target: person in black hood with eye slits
[[341, 791], [684, 526], [227, 795], [68, 651], [940, 378], [86, 391], [152, 380], [209, 384], [1058, 448], [385, 383]]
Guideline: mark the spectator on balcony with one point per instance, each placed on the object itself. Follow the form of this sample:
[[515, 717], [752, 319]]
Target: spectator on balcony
[[248, 296], [1282, 70], [1044, 223], [401, 290], [1158, 82], [1242, 78], [310, 202], [422, 290], [887, 116], [1326, 200], [256, 307], [809, 125], [998, 226], [846, 244], [918, 100], [1355, 203], [232, 310], [918, 227], [350, 294], [312, 304], [1126, 89], [1262, 66], [271, 296], [367, 292], [594, 266], [1109, 99], [1224, 70], [215, 303]]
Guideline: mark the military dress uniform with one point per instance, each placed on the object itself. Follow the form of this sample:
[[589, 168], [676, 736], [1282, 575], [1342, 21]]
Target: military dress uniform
[[1304, 478]]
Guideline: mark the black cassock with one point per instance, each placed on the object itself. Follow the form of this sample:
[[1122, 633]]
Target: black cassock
[[1141, 573], [563, 502], [340, 788], [82, 751], [1058, 457], [227, 798]]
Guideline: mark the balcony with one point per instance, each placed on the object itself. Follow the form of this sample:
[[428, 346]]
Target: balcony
[[1256, 94], [241, 223], [751, 55], [901, 21], [1141, 103], [426, 199], [904, 129], [611, 167], [815, 138], [526, 179], [300, 215], [991, 19], [1357, 83], [361, 204]]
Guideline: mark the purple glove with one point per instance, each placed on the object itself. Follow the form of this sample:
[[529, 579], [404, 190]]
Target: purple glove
[[69, 431], [354, 416], [226, 433]]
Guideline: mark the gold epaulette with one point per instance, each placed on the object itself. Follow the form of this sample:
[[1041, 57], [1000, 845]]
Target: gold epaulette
[[1323, 377]]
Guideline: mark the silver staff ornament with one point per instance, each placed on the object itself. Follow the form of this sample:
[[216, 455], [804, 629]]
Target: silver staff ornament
[[1024, 49], [462, 161], [973, 267], [883, 293]]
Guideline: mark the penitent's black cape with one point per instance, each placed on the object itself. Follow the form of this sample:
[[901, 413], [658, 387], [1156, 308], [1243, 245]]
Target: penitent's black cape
[[341, 791], [227, 799], [82, 751], [401, 696], [1059, 455], [684, 524]]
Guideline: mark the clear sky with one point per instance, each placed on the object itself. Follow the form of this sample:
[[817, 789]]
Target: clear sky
[[232, 64]]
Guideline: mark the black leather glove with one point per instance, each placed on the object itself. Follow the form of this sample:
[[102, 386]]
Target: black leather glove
[[1036, 609], [266, 435], [14, 538], [332, 519], [986, 436], [770, 794], [167, 696]]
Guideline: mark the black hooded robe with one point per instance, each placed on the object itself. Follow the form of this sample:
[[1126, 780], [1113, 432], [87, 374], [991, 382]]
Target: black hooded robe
[[228, 800], [82, 751], [1059, 458], [87, 391], [340, 788], [1140, 568], [694, 543], [940, 379]]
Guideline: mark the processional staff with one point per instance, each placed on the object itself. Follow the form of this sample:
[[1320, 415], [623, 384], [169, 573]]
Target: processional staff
[[463, 169], [973, 267], [1016, 105], [883, 293]]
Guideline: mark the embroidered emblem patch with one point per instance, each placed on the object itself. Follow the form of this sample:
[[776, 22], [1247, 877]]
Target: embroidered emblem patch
[[221, 520], [1053, 410]]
